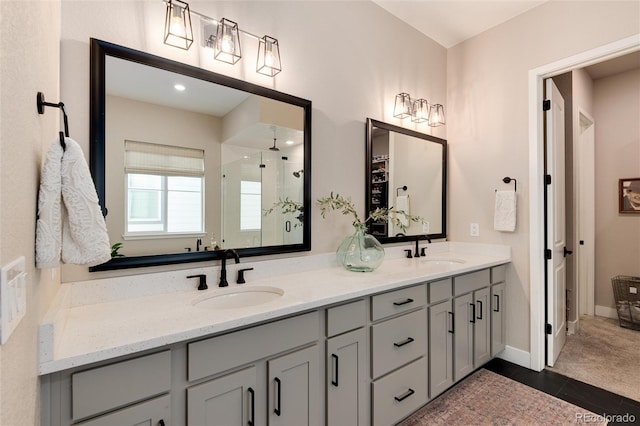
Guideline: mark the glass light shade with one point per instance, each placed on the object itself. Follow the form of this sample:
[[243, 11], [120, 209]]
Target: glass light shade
[[436, 115], [420, 112], [227, 45], [177, 25], [268, 57], [402, 108]]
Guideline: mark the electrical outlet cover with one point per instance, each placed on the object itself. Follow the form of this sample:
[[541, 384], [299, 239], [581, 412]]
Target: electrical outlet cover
[[13, 297]]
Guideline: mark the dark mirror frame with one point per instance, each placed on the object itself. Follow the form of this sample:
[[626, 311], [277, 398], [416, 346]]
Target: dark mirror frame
[[371, 124], [99, 50]]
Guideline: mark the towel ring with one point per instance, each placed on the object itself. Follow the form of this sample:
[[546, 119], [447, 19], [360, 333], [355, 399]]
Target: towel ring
[[508, 180], [404, 188]]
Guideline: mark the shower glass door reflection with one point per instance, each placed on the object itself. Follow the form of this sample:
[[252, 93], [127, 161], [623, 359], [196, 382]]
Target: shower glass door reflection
[[252, 185]]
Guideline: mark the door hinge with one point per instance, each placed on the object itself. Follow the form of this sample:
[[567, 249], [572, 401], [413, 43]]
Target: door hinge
[[546, 105], [548, 329], [547, 254], [547, 179]]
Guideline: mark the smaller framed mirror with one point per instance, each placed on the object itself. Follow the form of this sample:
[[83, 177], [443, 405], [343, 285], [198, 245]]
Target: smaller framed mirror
[[406, 170]]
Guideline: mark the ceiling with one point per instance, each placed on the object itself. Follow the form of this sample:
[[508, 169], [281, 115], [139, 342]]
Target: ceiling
[[450, 22]]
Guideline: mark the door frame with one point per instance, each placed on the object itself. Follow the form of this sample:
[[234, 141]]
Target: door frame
[[536, 180]]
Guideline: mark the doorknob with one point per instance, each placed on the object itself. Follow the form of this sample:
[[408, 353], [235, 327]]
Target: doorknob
[[567, 252]]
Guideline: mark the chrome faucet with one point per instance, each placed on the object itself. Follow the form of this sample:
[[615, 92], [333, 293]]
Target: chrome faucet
[[223, 265]]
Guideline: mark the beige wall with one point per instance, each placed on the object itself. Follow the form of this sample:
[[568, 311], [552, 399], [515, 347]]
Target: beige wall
[[487, 121], [29, 47], [617, 140]]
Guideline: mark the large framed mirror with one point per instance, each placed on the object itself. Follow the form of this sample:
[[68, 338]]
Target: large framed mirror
[[406, 170], [187, 162]]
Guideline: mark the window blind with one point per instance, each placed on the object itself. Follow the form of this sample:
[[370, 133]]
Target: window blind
[[145, 157]]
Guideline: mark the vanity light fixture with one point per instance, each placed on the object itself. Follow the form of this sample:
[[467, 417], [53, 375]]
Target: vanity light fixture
[[402, 108], [177, 25], [436, 115], [420, 111], [268, 56], [227, 45]]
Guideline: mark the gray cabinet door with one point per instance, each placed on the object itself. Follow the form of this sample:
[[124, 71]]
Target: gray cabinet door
[[481, 328], [228, 400], [294, 389], [347, 389], [441, 348], [498, 329], [463, 336], [149, 413]]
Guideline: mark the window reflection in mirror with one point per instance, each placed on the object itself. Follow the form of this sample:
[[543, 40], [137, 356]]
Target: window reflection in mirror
[[406, 170]]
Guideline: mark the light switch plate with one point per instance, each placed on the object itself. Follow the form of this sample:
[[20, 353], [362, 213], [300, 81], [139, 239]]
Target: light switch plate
[[13, 297], [474, 229]]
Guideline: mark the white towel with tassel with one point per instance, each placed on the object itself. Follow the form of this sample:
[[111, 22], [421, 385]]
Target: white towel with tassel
[[505, 211], [70, 226], [403, 205]]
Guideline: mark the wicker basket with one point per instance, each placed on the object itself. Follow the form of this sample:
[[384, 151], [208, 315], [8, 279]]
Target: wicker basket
[[626, 291]]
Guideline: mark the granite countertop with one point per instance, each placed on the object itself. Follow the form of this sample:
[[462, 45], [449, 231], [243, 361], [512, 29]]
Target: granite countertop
[[102, 319]]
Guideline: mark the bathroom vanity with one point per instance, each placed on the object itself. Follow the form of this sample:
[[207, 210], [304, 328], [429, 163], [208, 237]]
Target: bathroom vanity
[[334, 347]]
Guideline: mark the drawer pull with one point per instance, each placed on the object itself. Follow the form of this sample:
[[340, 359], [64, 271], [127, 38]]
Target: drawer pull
[[335, 358], [405, 395], [405, 342], [252, 421], [480, 309], [497, 308], [473, 313], [277, 410], [452, 330], [404, 302]]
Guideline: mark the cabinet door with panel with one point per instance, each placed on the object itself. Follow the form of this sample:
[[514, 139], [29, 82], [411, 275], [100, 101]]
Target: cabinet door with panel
[[228, 400], [498, 326], [441, 347], [481, 327], [155, 412], [347, 385], [294, 388], [463, 336]]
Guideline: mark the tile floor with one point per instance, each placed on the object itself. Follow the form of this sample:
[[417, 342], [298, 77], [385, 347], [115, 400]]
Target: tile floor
[[589, 397]]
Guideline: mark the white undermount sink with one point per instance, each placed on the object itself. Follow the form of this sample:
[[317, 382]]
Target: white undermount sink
[[442, 261], [238, 297]]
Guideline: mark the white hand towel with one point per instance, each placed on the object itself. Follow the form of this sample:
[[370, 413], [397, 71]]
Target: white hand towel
[[505, 211], [403, 205], [73, 229]]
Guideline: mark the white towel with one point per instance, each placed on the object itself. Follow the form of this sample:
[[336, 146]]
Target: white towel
[[505, 211], [402, 205], [70, 225]]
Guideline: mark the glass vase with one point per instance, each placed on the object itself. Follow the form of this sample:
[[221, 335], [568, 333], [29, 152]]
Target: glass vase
[[360, 252]]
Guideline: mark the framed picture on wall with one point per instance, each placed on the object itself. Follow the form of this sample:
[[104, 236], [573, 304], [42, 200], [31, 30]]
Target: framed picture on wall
[[629, 195]]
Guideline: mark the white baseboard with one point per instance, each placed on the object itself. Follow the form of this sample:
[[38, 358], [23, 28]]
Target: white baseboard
[[516, 356], [572, 327], [606, 311]]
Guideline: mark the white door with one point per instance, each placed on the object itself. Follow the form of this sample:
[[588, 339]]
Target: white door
[[556, 232], [585, 147]]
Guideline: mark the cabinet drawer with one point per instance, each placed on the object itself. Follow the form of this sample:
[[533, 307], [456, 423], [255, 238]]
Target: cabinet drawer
[[347, 317], [498, 274], [470, 282], [399, 394], [394, 302], [440, 290], [211, 356], [398, 341], [150, 412], [115, 385]]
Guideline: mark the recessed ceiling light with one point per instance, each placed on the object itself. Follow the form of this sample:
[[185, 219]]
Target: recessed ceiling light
[[179, 87], [289, 142]]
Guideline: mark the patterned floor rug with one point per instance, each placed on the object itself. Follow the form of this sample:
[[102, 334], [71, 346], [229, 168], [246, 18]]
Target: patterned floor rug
[[487, 398], [603, 354]]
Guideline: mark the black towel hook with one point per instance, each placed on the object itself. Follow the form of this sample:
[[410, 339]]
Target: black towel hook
[[41, 104], [507, 179]]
